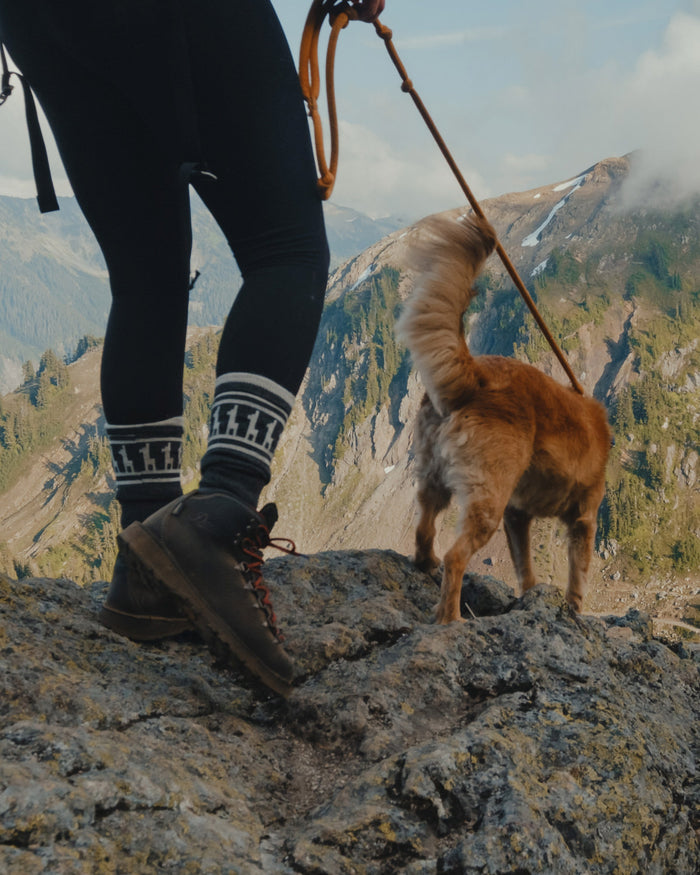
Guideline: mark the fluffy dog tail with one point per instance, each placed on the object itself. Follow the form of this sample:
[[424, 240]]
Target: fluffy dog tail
[[448, 261]]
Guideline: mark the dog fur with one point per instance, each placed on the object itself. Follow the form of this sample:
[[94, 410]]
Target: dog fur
[[504, 439]]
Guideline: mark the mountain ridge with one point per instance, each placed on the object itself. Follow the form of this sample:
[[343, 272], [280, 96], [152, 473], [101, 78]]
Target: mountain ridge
[[619, 291], [54, 286]]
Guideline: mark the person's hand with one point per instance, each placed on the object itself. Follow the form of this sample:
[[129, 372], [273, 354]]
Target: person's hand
[[368, 10]]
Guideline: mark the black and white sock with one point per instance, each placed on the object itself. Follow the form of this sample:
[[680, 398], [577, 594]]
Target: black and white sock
[[248, 416], [147, 461]]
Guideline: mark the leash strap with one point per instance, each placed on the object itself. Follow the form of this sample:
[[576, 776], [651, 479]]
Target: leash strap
[[5, 87], [340, 15], [46, 195]]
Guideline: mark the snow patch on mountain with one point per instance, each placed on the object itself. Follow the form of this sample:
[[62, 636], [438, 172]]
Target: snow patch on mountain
[[534, 238]]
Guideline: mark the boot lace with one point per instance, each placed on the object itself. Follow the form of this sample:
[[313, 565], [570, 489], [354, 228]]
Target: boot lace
[[252, 546]]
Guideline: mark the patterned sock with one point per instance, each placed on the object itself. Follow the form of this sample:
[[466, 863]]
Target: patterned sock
[[248, 416], [147, 460]]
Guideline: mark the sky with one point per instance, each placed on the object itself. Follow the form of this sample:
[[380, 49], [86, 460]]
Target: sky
[[524, 94]]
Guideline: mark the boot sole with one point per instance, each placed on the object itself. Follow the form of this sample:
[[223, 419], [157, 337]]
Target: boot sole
[[155, 559], [138, 627]]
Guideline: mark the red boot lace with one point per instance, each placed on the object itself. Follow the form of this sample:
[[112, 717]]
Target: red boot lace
[[252, 546]]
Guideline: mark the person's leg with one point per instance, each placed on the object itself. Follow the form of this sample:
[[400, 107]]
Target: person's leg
[[255, 137], [131, 193], [206, 547], [137, 206]]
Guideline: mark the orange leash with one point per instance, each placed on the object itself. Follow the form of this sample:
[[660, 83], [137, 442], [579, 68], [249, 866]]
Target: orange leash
[[339, 15]]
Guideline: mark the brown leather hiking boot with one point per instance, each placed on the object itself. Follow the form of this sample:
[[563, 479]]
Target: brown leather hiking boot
[[205, 549], [139, 612]]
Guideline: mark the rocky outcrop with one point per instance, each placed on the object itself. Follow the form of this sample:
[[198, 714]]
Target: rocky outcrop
[[522, 740]]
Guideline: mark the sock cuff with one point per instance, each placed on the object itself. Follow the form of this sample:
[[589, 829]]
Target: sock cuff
[[147, 455], [248, 415], [174, 423], [256, 384]]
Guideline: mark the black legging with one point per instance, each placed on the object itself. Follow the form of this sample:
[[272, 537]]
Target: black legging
[[134, 89]]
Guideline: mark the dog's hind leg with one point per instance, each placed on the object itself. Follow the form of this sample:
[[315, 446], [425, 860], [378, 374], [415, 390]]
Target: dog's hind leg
[[432, 500], [480, 521], [517, 525], [581, 535]]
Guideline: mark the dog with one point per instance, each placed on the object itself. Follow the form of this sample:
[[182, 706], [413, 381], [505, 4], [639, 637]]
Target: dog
[[507, 441]]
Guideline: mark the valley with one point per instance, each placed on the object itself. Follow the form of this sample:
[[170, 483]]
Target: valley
[[621, 292]]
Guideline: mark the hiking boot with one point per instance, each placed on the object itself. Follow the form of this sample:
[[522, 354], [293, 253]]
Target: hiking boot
[[139, 612], [205, 549]]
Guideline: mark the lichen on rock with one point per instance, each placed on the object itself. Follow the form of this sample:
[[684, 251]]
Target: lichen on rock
[[525, 739]]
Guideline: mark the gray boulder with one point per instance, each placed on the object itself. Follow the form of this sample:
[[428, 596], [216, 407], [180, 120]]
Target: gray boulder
[[524, 740]]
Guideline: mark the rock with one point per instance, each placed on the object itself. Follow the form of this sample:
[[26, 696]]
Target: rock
[[485, 596], [526, 740], [638, 622]]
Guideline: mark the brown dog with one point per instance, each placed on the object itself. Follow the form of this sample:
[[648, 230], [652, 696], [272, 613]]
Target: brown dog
[[503, 438]]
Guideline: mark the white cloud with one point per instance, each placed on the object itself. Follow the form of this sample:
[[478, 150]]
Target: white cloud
[[378, 178], [522, 170], [565, 113], [659, 106], [452, 38], [12, 186]]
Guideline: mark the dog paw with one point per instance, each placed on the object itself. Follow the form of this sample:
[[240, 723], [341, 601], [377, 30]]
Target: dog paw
[[443, 617], [575, 603], [429, 564]]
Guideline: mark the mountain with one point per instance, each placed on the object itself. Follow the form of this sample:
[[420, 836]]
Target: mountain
[[618, 288], [620, 291], [54, 287], [350, 232], [525, 740]]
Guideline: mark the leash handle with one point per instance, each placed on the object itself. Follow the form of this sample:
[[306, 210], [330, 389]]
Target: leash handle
[[309, 76], [339, 14]]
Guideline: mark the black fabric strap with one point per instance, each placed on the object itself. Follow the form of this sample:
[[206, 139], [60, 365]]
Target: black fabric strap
[[46, 195], [5, 88]]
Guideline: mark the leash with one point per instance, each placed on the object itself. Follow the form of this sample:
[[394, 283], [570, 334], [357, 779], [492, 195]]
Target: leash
[[339, 15]]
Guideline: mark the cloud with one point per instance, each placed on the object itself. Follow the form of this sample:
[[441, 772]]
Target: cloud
[[568, 113], [659, 106], [12, 186], [521, 170], [380, 179], [453, 38]]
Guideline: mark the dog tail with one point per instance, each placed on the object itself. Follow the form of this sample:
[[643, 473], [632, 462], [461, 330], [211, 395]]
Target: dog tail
[[448, 262]]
